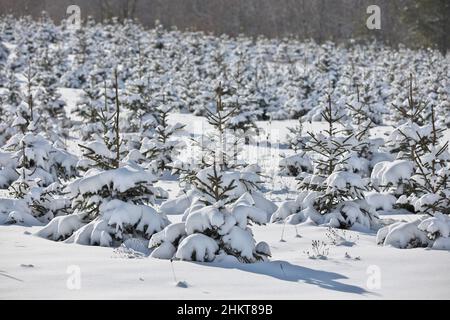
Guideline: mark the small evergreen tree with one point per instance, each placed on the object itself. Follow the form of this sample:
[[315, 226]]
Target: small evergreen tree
[[112, 202], [216, 223], [161, 149]]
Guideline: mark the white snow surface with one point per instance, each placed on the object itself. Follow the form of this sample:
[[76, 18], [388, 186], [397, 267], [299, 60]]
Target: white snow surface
[[105, 277], [387, 172]]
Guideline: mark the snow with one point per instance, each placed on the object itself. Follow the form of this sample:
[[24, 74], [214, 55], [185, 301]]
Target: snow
[[263, 203], [171, 233], [115, 220], [106, 277], [391, 172], [441, 244], [295, 164], [243, 213], [439, 225], [120, 214], [135, 245], [288, 208], [263, 248], [410, 130], [165, 251], [380, 201], [120, 179], [197, 247], [61, 227], [402, 235], [23, 218], [341, 180], [177, 205], [240, 240], [16, 210], [355, 214], [107, 273], [204, 219]]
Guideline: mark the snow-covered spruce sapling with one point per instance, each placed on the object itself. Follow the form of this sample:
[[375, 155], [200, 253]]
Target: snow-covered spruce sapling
[[414, 109], [331, 148], [296, 138], [330, 195], [111, 204], [300, 161], [30, 75], [429, 194], [214, 232], [432, 232], [107, 154], [162, 148], [4, 53], [88, 108], [239, 97], [41, 169], [48, 102], [218, 175], [420, 156], [430, 184], [332, 153], [11, 100], [366, 151], [218, 147], [216, 220]]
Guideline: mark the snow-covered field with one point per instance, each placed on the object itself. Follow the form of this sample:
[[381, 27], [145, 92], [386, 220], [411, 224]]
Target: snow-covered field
[[106, 274], [163, 164], [355, 268], [404, 274]]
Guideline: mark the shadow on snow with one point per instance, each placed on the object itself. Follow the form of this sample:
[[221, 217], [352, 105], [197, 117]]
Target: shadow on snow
[[286, 271]]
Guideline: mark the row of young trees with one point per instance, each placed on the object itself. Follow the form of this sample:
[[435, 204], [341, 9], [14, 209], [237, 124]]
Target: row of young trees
[[274, 79], [127, 142], [409, 171]]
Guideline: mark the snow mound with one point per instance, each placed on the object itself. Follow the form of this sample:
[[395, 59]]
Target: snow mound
[[120, 180], [403, 235], [61, 227], [226, 225], [295, 164], [380, 201], [177, 205], [122, 215], [207, 218], [263, 248], [197, 247], [117, 222], [391, 172], [172, 233], [437, 226], [352, 214], [433, 232], [346, 214], [241, 242], [165, 250], [16, 211], [135, 245]]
